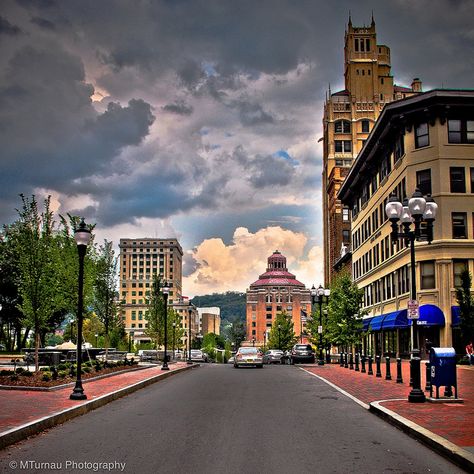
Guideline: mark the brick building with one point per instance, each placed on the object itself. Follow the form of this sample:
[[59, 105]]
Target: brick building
[[275, 291]]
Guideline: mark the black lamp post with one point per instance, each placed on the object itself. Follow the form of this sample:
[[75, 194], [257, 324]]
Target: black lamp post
[[130, 338], [174, 336], [96, 338], [279, 340], [82, 236], [189, 335], [415, 210], [264, 340], [165, 290], [253, 342], [321, 294]]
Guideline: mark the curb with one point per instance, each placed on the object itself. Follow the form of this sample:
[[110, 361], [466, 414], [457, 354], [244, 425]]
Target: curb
[[24, 431], [454, 453]]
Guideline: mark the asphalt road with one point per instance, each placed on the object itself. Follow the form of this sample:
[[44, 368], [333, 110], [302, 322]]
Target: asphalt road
[[217, 419]]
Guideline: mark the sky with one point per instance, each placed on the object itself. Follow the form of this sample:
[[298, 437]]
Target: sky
[[198, 119]]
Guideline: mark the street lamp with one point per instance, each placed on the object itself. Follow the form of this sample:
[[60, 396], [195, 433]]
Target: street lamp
[[82, 236], [322, 294], [174, 334], [253, 342], [264, 340], [189, 335], [165, 290], [279, 341], [96, 337], [416, 210]]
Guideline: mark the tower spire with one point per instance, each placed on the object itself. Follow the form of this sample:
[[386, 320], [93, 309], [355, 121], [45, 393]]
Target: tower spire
[[373, 21], [350, 20]]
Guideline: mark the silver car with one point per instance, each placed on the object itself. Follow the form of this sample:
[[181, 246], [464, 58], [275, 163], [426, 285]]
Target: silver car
[[248, 356], [273, 356], [198, 356]]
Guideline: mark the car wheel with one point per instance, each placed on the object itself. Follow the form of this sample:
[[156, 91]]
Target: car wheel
[[236, 366]]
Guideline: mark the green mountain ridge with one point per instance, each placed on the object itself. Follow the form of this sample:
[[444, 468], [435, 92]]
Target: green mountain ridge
[[231, 303]]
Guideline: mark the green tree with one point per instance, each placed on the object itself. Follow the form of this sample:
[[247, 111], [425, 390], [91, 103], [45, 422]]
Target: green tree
[[344, 322], [177, 330], [36, 258], [156, 313], [466, 307], [104, 302], [237, 333], [282, 334]]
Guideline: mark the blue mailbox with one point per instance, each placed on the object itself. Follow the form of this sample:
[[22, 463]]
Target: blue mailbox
[[443, 369]]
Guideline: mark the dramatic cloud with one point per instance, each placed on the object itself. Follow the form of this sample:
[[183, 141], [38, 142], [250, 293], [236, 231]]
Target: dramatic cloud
[[202, 114], [218, 267]]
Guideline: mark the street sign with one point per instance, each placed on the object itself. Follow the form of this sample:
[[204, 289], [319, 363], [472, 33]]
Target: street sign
[[320, 329], [413, 309]]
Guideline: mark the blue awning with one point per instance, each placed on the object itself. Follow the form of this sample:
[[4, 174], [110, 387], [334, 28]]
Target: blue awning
[[365, 323], [376, 323], [430, 315], [455, 316], [395, 320]]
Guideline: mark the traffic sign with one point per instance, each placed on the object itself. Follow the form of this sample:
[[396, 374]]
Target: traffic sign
[[320, 329], [413, 309]]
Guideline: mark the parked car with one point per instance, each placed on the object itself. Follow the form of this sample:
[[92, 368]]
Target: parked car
[[273, 356], [198, 356], [302, 353], [248, 356]]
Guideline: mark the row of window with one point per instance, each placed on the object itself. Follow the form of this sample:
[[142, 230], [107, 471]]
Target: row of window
[[344, 126], [459, 131], [397, 283]]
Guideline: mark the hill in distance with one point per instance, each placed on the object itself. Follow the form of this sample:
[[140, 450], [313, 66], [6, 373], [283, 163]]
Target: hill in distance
[[231, 303]]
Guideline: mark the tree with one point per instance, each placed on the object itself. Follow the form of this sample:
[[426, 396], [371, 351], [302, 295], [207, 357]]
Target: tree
[[104, 288], [282, 335], [466, 307], [156, 312], [344, 322], [177, 330], [38, 281], [237, 333]]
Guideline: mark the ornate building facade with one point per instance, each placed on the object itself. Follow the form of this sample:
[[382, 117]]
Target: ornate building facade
[[275, 291], [349, 116]]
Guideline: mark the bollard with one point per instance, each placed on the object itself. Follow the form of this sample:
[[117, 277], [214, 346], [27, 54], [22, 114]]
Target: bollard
[[378, 372], [351, 362], [345, 360], [370, 372], [357, 362], [399, 370], [362, 363], [428, 376], [341, 361], [388, 374]]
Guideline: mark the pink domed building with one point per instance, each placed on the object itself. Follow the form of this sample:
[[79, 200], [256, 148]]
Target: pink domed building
[[275, 291]]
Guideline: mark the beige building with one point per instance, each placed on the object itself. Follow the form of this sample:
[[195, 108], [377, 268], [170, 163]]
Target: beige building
[[425, 142], [189, 315], [140, 259], [349, 116], [209, 320]]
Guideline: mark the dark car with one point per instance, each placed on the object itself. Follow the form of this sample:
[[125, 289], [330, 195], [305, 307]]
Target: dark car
[[302, 353]]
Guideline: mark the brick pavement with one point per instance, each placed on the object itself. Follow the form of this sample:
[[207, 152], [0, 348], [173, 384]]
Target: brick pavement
[[452, 421], [21, 407]]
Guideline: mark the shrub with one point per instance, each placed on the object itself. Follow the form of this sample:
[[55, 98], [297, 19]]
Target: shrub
[[14, 377], [86, 370], [63, 374], [20, 370], [27, 373], [98, 367], [44, 369], [62, 366], [46, 376], [5, 372]]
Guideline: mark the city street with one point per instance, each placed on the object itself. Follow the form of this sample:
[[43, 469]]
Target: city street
[[222, 420]]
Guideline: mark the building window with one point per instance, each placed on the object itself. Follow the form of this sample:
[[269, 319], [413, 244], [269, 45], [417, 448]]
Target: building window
[[345, 214], [268, 299], [428, 275], [346, 236], [457, 179], [459, 225], [367, 44], [423, 181], [385, 167], [342, 126], [458, 267], [254, 324], [399, 147], [269, 315], [254, 332], [343, 146], [422, 137], [365, 126], [461, 131]]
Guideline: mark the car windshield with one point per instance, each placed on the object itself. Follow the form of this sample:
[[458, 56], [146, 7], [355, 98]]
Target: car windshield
[[196, 352], [248, 350], [301, 347], [276, 352]]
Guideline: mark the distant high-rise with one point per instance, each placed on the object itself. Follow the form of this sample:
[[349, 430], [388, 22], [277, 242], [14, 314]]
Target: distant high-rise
[[349, 116], [140, 259]]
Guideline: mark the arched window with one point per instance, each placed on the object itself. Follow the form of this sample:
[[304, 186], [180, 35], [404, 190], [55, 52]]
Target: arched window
[[342, 126], [289, 299], [268, 299]]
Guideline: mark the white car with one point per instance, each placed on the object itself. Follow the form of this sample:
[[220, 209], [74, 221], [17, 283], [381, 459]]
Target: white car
[[248, 356]]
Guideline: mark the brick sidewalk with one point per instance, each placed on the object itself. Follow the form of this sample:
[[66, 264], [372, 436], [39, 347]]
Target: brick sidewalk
[[21, 407], [452, 421]]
